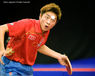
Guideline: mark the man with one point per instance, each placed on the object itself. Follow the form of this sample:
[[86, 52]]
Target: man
[[27, 36]]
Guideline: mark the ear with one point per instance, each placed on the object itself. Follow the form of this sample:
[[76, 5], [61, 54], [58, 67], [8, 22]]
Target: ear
[[40, 16]]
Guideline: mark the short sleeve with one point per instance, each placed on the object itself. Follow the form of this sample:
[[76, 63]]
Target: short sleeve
[[17, 28]]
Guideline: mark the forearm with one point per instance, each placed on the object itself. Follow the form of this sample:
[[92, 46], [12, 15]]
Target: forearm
[[49, 52]]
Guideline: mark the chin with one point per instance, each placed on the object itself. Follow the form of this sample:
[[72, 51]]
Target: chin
[[45, 30]]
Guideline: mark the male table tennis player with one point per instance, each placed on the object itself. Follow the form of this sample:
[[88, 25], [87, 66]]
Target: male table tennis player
[[27, 36]]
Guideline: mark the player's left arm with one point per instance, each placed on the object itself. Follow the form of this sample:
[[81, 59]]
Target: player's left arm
[[62, 58]]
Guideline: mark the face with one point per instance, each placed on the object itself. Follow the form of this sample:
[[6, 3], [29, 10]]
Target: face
[[48, 21]]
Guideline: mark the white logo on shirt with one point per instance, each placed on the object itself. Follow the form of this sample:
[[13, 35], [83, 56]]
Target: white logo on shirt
[[31, 37], [11, 23], [40, 42]]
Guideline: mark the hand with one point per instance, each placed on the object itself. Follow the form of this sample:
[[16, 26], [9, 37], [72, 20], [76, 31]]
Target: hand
[[63, 60], [6, 52]]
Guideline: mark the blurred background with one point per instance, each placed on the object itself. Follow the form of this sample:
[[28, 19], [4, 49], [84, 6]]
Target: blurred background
[[73, 35]]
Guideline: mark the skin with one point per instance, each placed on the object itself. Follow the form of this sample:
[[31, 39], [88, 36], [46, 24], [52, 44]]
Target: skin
[[47, 21]]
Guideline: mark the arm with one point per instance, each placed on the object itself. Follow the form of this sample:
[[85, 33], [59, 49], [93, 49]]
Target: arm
[[3, 29], [49, 52], [63, 59]]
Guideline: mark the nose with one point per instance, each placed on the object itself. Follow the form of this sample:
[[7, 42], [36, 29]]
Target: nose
[[48, 22]]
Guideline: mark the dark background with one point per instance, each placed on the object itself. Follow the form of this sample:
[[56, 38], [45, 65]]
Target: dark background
[[73, 35]]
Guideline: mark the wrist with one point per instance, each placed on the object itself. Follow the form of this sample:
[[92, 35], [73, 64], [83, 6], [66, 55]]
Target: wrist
[[59, 56]]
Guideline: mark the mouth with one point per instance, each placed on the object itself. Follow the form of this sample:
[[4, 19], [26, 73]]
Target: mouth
[[46, 26]]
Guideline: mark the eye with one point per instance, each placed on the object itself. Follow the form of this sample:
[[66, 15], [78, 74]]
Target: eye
[[53, 20], [47, 17]]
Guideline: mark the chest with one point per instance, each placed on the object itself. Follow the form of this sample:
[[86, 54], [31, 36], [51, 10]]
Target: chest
[[34, 39]]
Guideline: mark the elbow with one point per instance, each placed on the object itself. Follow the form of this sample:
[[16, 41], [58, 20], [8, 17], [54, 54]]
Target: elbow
[[3, 28], [0, 28]]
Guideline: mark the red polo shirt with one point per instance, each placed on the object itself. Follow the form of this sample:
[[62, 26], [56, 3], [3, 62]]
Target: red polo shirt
[[26, 37]]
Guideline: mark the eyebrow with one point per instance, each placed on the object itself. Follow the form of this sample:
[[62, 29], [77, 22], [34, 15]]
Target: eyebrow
[[48, 15]]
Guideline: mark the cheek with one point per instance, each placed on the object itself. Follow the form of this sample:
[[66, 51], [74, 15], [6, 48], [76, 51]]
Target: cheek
[[52, 26], [42, 21]]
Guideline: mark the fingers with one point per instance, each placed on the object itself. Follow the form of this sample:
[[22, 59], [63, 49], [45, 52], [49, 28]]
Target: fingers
[[1, 54], [69, 70], [1, 61], [68, 66]]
